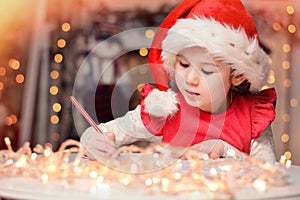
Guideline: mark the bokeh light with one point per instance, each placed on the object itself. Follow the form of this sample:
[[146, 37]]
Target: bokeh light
[[65, 27], [288, 155], [292, 28], [20, 78], [53, 90], [143, 52], [286, 48], [149, 34], [56, 107], [54, 119], [290, 10], [286, 65], [54, 74], [287, 83], [286, 117], [61, 43], [56, 137], [276, 26], [58, 58], [294, 102], [285, 138], [14, 64]]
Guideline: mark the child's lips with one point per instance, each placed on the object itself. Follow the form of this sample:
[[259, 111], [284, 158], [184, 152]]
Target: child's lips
[[192, 94]]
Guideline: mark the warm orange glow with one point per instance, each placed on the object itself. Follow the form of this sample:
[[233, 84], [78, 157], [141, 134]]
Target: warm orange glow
[[265, 87], [1, 86], [286, 65], [54, 74], [56, 107], [270, 61], [14, 12], [61, 43], [14, 64], [292, 28], [286, 117], [143, 51], [20, 78], [66, 27], [285, 138], [286, 48], [8, 143], [53, 90], [288, 155], [294, 102], [54, 119], [276, 26], [149, 33], [56, 137], [8, 121], [271, 79], [287, 83], [2, 71], [58, 58], [290, 10], [7, 140], [14, 119]]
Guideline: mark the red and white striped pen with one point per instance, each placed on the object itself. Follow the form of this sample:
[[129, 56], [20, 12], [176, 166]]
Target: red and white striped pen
[[85, 114]]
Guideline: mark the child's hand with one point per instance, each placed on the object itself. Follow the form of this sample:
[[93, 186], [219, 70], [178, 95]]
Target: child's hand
[[214, 148], [98, 145]]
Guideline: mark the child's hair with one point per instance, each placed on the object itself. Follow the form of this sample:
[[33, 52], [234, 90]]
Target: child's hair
[[241, 89]]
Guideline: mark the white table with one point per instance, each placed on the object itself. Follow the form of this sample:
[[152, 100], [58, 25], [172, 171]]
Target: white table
[[22, 188]]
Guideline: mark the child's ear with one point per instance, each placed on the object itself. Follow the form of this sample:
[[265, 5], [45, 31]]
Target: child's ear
[[238, 79]]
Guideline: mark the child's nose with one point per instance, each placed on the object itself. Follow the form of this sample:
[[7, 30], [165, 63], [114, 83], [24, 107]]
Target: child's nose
[[192, 76]]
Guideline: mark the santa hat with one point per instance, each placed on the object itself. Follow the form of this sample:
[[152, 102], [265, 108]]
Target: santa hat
[[223, 27]]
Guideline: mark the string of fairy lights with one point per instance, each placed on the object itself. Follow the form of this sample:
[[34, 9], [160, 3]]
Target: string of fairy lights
[[54, 89], [284, 69], [55, 75]]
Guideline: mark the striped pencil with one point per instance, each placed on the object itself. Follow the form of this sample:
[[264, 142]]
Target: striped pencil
[[85, 114]]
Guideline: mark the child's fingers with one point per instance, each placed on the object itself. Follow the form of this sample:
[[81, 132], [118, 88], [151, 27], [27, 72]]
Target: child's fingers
[[111, 136], [214, 155]]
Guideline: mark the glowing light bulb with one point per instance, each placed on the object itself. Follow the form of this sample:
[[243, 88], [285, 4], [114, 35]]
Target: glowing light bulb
[[148, 182], [259, 185], [93, 174], [44, 178], [149, 33], [66, 27], [290, 10]]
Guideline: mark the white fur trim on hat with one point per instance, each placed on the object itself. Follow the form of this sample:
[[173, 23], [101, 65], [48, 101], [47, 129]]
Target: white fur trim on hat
[[161, 103], [223, 42]]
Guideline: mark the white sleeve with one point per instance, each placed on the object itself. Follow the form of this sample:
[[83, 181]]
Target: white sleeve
[[129, 128], [263, 147]]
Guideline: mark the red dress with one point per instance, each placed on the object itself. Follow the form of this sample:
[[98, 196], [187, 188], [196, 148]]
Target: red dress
[[247, 117]]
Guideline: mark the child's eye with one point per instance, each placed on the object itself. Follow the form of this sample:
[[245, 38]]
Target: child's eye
[[207, 72], [184, 64]]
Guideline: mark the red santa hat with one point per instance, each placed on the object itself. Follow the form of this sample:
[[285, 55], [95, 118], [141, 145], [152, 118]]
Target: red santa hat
[[223, 27]]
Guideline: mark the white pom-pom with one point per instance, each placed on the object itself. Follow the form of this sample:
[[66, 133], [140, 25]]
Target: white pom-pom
[[161, 103]]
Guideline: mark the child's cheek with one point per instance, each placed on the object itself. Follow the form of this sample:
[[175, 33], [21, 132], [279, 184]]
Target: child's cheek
[[217, 88]]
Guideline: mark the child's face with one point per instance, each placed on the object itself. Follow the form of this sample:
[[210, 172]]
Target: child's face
[[204, 82]]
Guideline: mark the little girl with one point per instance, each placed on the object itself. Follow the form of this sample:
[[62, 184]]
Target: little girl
[[211, 51]]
